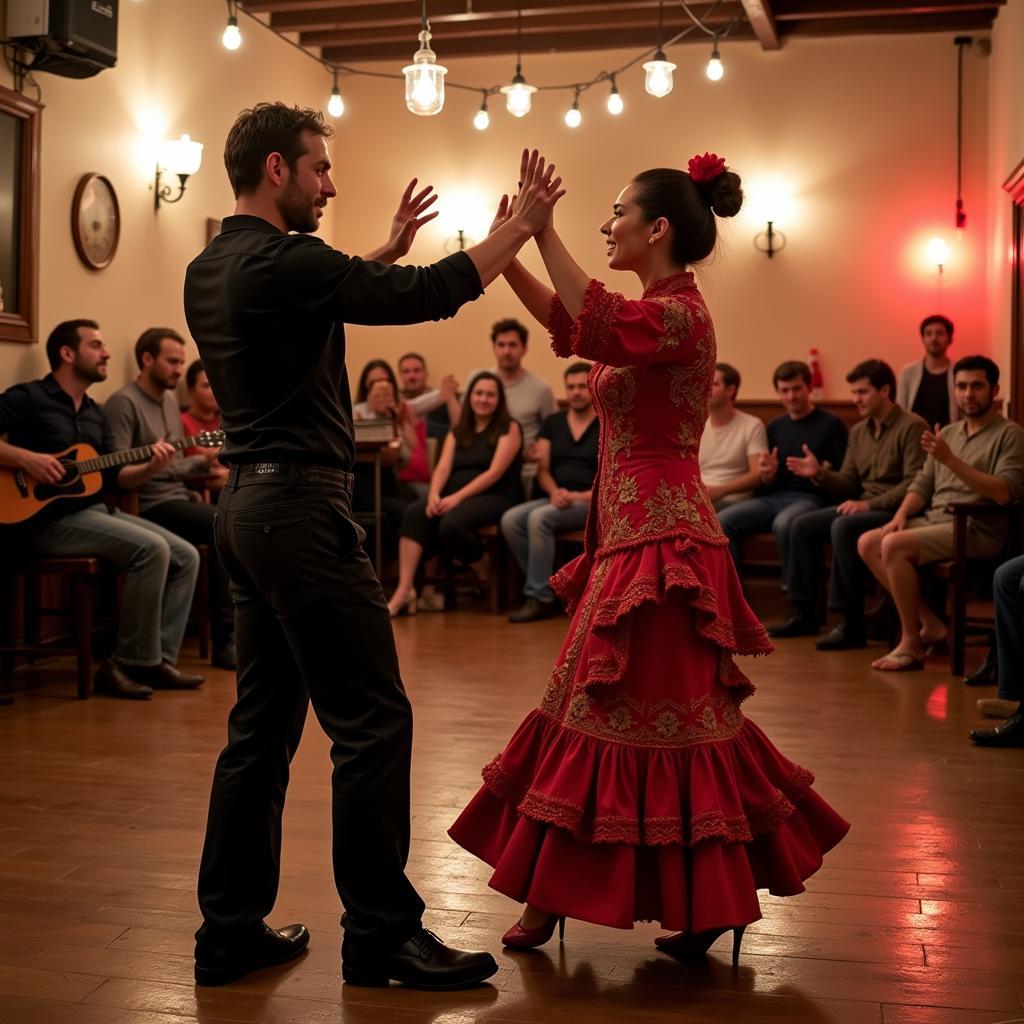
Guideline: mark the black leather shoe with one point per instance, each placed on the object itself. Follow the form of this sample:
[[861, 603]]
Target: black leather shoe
[[221, 961], [166, 677], [842, 638], [224, 656], [422, 961], [533, 610], [795, 625], [113, 680], [986, 674], [1006, 734]]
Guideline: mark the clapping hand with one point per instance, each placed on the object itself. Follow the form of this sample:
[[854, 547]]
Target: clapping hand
[[538, 192], [935, 445], [806, 466], [768, 465], [410, 217]]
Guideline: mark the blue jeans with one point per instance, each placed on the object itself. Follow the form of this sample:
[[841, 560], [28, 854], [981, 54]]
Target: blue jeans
[[774, 512], [1008, 591], [161, 571], [530, 530]]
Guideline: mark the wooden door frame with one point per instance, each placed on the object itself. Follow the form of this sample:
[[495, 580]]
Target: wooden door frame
[[1014, 185]]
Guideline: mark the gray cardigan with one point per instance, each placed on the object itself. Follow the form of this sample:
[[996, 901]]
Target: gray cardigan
[[910, 380]]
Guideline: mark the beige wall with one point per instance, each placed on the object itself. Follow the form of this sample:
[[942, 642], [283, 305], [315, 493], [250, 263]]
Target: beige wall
[[861, 128], [1006, 150]]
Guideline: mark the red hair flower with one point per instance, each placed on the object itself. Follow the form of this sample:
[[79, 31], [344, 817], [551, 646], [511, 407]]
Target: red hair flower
[[706, 167]]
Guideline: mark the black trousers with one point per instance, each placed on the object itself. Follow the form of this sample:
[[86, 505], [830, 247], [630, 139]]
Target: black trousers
[[312, 626], [454, 533], [809, 533], [193, 520]]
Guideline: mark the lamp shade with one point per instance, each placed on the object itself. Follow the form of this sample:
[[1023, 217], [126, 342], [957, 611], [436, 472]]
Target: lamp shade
[[424, 80], [938, 252], [181, 156], [658, 75]]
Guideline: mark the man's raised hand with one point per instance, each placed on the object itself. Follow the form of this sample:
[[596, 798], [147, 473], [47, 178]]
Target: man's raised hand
[[409, 218]]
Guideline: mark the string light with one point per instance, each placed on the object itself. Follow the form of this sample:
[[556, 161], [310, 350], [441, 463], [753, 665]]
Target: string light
[[424, 77], [481, 119], [615, 102], [573, 117], [335, 105], [519, 95], [658, 70], [715, 68], [232, 38]]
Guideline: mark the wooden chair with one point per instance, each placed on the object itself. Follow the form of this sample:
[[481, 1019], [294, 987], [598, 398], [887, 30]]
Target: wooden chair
[[963, 574], [497, 582]]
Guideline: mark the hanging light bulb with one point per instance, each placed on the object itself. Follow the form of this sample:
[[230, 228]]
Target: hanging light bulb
[[335, 105], [519, 95], [481, 119], [938, 252], [615, 104], [658, 75], [424, 77], [658, 70], [715, 69], [573, 117], [232, 38]]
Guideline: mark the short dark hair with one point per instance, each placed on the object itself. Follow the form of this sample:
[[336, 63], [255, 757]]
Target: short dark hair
[[413, 355], [362, 389], [65, 335], [150, 341], [978, 363], [877, 372], [936, 318], [510, 324], [789, 369], [501, 422], [730, 377], [264, 129], [573, 368], [192, 373]]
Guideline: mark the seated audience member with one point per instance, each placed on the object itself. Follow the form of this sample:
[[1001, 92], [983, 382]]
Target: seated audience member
[[146, 411], [529, 399], [926, 385], [567, 445], [731, 445], [980, 458], [377, 398], [45, 417], [783, 495], [477, 479], [883, 456], [1008, 591], [202, 416], [438, 406]]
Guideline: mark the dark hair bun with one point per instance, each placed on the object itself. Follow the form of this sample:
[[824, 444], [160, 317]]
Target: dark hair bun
[[725, 194]]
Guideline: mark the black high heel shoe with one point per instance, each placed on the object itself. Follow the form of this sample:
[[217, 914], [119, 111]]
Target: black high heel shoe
[[693, 946]]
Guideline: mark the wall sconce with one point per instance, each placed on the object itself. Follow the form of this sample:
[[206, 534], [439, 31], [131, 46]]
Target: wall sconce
[[938, 253], [459, 241], [770, 241], [182, 157]]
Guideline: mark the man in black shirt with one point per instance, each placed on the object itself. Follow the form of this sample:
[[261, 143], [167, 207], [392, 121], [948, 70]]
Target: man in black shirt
[[567, 450], [784, 495], [926, 386], [311, 620], [46, 417]]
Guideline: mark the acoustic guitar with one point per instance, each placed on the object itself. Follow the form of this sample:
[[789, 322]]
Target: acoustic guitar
[[21, 497]]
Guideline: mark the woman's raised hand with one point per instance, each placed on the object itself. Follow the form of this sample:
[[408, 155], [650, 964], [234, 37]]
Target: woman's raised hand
[[503, 213], [539, 190]]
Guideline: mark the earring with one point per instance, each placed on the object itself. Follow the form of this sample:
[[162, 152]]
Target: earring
[[650, 241]]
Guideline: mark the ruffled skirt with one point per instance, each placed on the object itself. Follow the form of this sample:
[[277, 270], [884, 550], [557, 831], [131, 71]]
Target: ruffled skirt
[[638, 791]]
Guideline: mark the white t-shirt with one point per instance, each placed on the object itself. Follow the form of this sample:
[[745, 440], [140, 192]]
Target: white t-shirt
[[725, 451]]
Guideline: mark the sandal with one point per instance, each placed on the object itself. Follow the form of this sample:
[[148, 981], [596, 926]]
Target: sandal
[[904, 662]]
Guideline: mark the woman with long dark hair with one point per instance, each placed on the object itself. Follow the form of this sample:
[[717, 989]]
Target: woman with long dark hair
[[638, 790], [476, 480]]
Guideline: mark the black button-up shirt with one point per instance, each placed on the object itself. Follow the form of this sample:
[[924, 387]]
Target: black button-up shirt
[[267, 311], [41, 416]]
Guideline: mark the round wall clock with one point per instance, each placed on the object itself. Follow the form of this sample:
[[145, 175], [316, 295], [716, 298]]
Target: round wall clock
[[95, 221]]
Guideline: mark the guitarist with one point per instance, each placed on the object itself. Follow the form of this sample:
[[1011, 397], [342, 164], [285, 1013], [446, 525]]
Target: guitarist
[[50, 415], [145, 411]]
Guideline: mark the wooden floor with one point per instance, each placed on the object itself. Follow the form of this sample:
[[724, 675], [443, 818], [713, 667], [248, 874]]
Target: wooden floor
[[916, 918]]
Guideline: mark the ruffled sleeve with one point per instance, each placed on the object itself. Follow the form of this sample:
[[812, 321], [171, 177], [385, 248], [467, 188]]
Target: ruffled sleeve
[[560, 328], [617, 331]]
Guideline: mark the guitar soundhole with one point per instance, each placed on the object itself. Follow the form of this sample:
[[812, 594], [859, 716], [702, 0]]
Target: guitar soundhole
[[70, 485]]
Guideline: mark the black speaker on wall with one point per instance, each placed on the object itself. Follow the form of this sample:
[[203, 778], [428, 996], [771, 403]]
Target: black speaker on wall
[[74, 38]]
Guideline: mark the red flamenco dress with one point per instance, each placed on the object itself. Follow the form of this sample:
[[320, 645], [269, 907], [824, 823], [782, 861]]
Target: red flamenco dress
[[638, 791]]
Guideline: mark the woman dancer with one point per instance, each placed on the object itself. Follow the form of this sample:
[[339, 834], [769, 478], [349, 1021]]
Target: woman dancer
[[638, 790]]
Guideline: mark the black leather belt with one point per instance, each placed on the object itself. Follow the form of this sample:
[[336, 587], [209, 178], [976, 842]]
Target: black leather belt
[[304, 472]]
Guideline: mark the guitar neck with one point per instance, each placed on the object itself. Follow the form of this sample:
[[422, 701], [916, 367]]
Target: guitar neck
[[130, 455]]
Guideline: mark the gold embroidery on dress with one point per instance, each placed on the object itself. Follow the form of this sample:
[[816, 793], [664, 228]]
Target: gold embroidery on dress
[[678, 321]]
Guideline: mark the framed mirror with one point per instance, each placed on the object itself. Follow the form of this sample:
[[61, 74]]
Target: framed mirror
[[20, 129]]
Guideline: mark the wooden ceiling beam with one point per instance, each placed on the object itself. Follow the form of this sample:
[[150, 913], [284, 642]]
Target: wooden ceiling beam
[[798, 10], [962, 21], [762, 21]]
